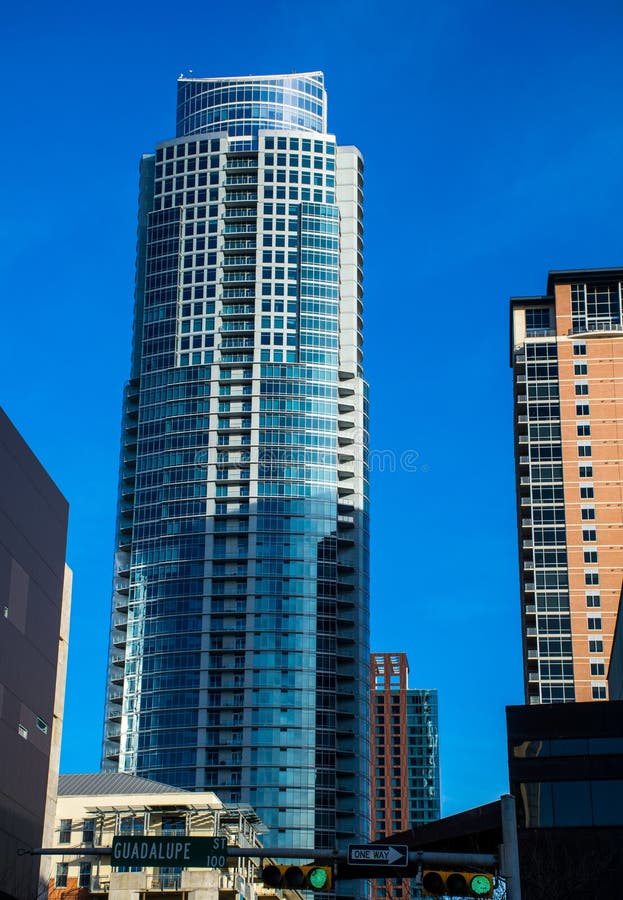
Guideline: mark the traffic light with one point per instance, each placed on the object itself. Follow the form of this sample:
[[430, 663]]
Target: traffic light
[[309, 877], [436, 883]]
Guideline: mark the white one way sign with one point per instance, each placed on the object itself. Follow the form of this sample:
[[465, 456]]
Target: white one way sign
[[378, 855]]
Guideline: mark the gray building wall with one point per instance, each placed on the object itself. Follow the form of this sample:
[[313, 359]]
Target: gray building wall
[[33, 534]]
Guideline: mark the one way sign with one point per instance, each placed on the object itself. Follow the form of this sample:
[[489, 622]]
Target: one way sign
[[378, 855]]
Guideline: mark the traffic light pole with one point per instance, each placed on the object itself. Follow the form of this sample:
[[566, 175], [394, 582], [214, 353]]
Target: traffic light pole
[[510, 848], [424, 857]]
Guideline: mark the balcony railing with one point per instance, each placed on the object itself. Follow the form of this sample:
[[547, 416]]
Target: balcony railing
[[167, 883], [590, 327]]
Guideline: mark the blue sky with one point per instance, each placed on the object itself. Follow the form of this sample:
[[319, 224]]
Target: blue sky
[[492, 137]]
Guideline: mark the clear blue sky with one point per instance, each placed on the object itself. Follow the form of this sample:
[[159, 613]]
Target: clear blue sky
[[492, 134]]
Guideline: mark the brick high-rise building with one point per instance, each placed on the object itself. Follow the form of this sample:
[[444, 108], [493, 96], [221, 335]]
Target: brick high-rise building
[[567, 359], [405, 757]]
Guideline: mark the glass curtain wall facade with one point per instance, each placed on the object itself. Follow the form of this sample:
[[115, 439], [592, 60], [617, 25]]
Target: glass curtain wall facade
[[567, 359], [239, 637]]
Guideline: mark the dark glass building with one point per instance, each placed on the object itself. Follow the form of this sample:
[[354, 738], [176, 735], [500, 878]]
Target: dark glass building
[[566, 773], [239, 634]]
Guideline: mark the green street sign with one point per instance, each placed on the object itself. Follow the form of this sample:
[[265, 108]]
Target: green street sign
[[176, 850]]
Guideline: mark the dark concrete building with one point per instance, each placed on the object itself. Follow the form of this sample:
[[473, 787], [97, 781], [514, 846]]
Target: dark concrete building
[[34, 613]]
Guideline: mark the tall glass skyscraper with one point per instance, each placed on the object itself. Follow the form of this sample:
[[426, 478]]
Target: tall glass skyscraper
[[239, 636]]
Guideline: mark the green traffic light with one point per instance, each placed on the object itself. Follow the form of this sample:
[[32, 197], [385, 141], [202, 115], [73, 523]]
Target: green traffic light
[[481, 885], [317, 878]]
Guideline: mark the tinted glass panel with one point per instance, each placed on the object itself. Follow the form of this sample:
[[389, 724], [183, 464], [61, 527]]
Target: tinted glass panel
[[572, 803], [607, 802]]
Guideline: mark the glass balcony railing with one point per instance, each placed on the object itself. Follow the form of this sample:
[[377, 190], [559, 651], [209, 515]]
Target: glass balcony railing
[[590, 327]]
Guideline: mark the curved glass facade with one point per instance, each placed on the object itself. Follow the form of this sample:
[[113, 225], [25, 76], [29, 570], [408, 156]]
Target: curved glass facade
[[244, 106], [239, 641]]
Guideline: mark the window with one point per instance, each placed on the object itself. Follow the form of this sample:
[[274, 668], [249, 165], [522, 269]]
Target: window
[[590, 556], [587, 491], [586, 471], [598, 691], [64, 836], [591, 578], [580, 369], [594, 623], [579, 349], [88, 831], [537, 319], [583, 429], [593, 600], [84, 878], [42, 725], [595, 646], [581, 388], [585, 450], [62, 870], [22, 731], [598, 667], [589, 534], [588, 512], [582, 409]]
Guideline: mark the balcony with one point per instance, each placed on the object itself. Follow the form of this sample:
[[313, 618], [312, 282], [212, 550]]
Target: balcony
[[241, 196], [240, 179], [167, 883], [596, 327], [246, 162], [238, 309], [229, 327], [230, 277], [240, 228], [238, 293], [230, 262], [239, 245], [242, 212]]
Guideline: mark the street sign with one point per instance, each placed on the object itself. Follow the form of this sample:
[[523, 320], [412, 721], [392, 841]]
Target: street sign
[[378, 855], [175, 850]]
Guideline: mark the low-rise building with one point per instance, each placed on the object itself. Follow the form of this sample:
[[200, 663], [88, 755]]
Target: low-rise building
[[93, 808]]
